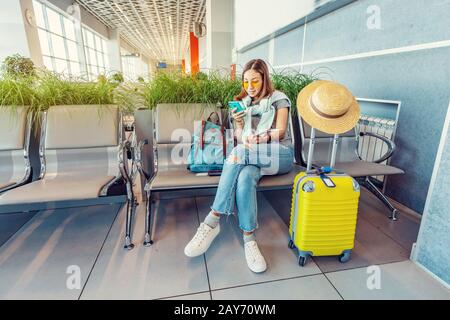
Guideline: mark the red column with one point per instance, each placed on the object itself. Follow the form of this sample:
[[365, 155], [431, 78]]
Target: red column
[[193, 45], [233, 71], [183, 67]]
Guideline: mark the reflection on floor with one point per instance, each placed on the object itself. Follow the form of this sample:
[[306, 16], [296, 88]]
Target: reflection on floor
[[45, 257]]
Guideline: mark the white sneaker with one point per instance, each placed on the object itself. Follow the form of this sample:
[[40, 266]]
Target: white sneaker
[[201, 240], [255, 260]]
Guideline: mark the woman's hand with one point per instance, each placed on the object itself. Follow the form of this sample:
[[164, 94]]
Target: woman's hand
[[238, 116], [252, 139], [261, 138]]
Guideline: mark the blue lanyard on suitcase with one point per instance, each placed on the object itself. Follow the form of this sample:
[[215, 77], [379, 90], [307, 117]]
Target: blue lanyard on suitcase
[[326, 179]]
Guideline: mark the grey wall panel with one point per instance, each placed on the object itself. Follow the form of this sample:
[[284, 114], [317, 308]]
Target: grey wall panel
[[221, 58], [403, 23], [432, 244], [288, 47], [420, 81], [259, 52]]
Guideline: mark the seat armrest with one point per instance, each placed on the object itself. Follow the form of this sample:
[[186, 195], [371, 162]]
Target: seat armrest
[[137, 159], [125, 147], [391, 145], [149, 176], [149, 179]]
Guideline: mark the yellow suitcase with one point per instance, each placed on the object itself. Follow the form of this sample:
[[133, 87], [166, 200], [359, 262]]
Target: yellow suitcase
[[323, 211]]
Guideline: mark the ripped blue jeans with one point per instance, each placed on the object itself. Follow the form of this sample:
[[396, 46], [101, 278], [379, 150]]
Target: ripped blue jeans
[[241, 173]]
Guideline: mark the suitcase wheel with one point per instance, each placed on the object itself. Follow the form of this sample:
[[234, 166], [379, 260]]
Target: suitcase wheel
[[302, 261], [345, 256], [291, 244]]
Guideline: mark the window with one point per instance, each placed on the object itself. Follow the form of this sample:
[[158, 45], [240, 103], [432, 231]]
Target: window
[[57, 39], [96, 53], [133, 66], [129, 66]]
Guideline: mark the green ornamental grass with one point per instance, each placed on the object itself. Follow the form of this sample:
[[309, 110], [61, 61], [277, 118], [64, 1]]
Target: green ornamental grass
[[41, 89], [213, 88], [14, 92], [291, 83]]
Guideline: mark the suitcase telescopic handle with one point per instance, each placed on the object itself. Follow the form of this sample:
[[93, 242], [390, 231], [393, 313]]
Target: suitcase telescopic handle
[[311, 150], [312, 141]]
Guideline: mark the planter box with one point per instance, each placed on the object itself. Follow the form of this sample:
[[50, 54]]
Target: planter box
[[182, 114]]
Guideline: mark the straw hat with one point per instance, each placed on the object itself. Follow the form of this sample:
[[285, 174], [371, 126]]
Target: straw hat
[[328, 106]]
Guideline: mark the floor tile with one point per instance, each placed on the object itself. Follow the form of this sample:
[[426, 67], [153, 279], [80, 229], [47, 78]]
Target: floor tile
[[161, 270], [196, 296], [404, 231], [280, 200], [372, 244], [371, 247], [10, 223], [399, 281], [304, 288], [225, 258], [35, 262]]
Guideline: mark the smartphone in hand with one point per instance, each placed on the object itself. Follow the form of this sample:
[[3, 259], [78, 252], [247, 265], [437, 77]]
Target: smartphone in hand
[[238, 105]]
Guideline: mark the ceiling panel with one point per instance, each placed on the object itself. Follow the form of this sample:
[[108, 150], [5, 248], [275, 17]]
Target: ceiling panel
[[159, 28]]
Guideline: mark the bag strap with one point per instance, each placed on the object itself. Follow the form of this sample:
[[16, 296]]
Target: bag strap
[[202, 135], [224, 142], [217, 114], [222, 131], [202, 131]]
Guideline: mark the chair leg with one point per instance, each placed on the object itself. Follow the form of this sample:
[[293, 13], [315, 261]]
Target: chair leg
[[149, 220], [372, 188], [131, 205]]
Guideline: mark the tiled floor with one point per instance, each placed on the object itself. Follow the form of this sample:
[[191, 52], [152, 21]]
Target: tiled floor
[[36, 262]]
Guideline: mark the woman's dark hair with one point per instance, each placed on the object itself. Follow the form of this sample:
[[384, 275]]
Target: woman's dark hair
[[267, 89]]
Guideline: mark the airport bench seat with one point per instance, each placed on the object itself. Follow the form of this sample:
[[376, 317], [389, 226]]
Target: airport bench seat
[[58, 189], [181, 178], [15, 169], [4, 185], [81, 161], [348, 159], [360, 168]]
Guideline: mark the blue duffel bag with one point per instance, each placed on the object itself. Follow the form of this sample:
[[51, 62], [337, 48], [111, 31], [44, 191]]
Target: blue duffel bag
[[210, 146]]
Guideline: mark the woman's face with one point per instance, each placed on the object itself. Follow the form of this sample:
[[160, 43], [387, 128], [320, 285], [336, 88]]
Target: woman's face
[[252, 82]]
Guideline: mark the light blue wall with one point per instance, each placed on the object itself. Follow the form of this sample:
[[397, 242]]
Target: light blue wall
[[403, 23], [433, 243], [422, 85], [419, 79], [288, 47], [260, 52]]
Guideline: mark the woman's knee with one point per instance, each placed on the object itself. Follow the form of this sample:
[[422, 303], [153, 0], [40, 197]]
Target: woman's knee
[[237, 155], [248, 177]]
